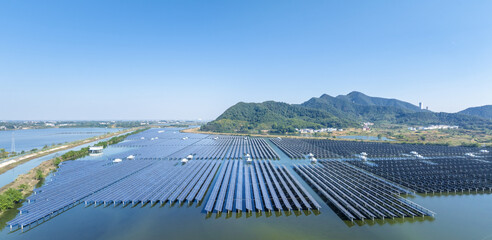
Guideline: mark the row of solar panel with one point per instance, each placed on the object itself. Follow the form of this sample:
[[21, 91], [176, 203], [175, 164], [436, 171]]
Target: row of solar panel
[[70, 188], [323, 149], [438, 175], [240, 184], [356, 194]]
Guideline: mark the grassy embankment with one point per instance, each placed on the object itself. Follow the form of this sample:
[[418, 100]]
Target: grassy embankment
[[23, 186], [398, 133]]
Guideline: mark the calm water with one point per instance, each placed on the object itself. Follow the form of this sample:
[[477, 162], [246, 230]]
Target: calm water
[[12, 174], [37, 138], [458, 217]]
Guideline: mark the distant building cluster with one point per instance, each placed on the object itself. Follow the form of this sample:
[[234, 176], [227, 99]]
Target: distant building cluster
[[433, 127], [367, 126], [322, 130]]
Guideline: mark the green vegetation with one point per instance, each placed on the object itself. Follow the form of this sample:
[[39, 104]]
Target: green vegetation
[[483, 111], [344, 111], [464, 144], [56, 161], [39, 174], [3, 153], [9, 125], [178, 125], [118, 139], [275, 117], [363, 108], [72, 155], [9, 198]]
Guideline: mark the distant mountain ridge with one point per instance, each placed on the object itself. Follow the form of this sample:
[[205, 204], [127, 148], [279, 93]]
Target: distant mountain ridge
[[362, 107], [337, 112], [362, 99], [482, 111]]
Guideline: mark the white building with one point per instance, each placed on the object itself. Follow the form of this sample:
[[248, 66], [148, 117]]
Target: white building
[[96, 150]]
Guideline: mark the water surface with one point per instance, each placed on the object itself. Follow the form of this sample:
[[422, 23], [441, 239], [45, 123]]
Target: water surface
[[28, 139]]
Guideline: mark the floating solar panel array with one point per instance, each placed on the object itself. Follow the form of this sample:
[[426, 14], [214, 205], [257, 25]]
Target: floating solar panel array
[[127, 182], [436, 175], [260, 186], [152, 176], [158, 144], [146, 178], [356, 194], [299, 148], [228, 147], [161, 183], [73, 183]]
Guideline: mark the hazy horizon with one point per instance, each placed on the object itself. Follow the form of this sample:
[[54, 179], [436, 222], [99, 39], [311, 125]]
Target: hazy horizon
[[85, 60], [176, 119]]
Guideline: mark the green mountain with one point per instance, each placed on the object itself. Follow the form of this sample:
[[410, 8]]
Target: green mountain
[[483, 111], [364, 100], [342, 111], [276, 117], [360, 107]]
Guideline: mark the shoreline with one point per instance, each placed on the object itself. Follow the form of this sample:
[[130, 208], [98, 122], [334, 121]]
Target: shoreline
[[27, 182], [197, 131], [348, 133], [16, 161]]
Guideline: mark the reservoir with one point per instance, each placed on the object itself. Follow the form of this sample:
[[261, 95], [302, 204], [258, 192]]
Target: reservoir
[[468, 212], [28, 139]]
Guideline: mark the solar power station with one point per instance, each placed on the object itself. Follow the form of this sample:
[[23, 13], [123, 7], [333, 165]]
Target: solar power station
[[258, 187], [324, 149], [360, 181], [358, 195], [441, 175]]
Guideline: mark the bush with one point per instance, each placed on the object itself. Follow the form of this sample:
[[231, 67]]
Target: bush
[[39, 174], [9, 198], [57, 161]]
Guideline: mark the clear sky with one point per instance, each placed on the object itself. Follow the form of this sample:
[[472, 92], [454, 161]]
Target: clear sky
[[193, 59]]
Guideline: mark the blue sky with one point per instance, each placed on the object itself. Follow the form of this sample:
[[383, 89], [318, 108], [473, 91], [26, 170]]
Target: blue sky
[[194, 59]]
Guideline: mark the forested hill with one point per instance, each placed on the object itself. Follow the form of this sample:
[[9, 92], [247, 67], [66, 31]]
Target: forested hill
[[364, 100], [342, 111], [274, 116], [483, 111]]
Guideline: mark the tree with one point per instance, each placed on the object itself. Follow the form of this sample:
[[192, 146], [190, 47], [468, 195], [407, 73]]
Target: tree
[[39, 174], [57, 161], [9, 198]]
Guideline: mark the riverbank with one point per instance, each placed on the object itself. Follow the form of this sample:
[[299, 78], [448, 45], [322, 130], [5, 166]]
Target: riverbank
[[12, 163], [25, 183]]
